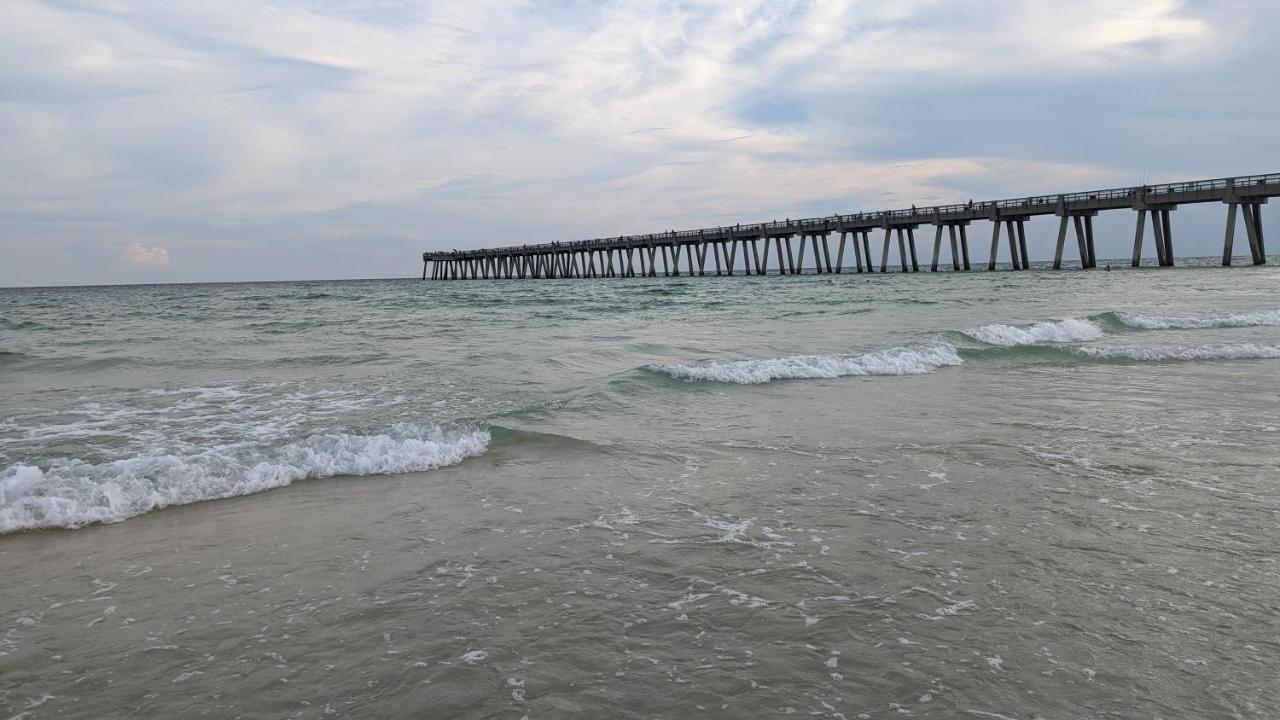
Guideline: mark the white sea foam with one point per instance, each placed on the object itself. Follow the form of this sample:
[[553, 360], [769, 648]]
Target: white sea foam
[[895, 361], [74, 493], [1158, 353], [1195, 322], [1056, 331]]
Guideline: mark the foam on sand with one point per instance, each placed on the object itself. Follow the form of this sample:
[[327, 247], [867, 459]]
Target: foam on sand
[[1056, 331], [73, 493], [1161, 353], [895, 361], [1196, 322]]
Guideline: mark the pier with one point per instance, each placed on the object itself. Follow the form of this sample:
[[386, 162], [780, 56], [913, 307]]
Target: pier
[[746, 249]]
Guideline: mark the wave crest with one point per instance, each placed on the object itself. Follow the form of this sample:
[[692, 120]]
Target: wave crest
[[1055, 331], [895, 361], [1154, 353], [74, 493], [1197, 322]]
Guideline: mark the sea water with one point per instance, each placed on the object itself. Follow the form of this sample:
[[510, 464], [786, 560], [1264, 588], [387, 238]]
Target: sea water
[[992, 495]]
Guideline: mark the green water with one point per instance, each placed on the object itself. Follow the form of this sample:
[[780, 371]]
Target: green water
[[1018, 495]]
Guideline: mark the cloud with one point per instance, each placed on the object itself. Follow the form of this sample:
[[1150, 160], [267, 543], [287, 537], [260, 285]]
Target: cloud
[[317, 139], [145, 256]]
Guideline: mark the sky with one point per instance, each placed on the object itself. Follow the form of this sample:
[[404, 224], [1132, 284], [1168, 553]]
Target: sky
[[178, 141]]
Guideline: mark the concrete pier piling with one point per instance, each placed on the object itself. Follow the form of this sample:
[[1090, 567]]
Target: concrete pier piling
[[1250, 207], [639, 255]]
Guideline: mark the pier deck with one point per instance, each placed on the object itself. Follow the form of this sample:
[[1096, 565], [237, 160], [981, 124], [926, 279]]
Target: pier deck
[[744, 249]]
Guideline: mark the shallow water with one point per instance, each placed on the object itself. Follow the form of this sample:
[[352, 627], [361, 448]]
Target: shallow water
[[1015, 495]]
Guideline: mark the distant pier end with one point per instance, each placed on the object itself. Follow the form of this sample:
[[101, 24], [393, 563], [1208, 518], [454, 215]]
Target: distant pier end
[[748, 246]]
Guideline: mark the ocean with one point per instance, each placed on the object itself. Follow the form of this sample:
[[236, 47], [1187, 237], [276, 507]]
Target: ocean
[[1006, 495]]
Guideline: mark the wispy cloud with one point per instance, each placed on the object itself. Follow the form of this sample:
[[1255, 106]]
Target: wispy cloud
[[315, 139]]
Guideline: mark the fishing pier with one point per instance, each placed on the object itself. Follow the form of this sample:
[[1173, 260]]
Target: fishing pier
[[745, 249]]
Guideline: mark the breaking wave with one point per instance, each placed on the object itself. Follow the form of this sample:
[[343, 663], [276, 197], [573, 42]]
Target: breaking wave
[[1156, 353], [72, 493], [895, 361], [1056, 331], [1196, 322]]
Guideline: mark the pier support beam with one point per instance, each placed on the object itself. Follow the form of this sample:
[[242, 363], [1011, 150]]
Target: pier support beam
[[1082, 222], [1163, 232], [884, 255], [798, 268], [1022, 244], [1088, 241], [1158, 229], [957, 238], [866, 247], [1080, 242], [995, 243], [1231, 236], [1168, 237], [1253, 225], [1136, 260], [1013, 244]]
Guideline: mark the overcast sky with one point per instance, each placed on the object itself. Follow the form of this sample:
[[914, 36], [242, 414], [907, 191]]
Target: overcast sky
[[163, 141]]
